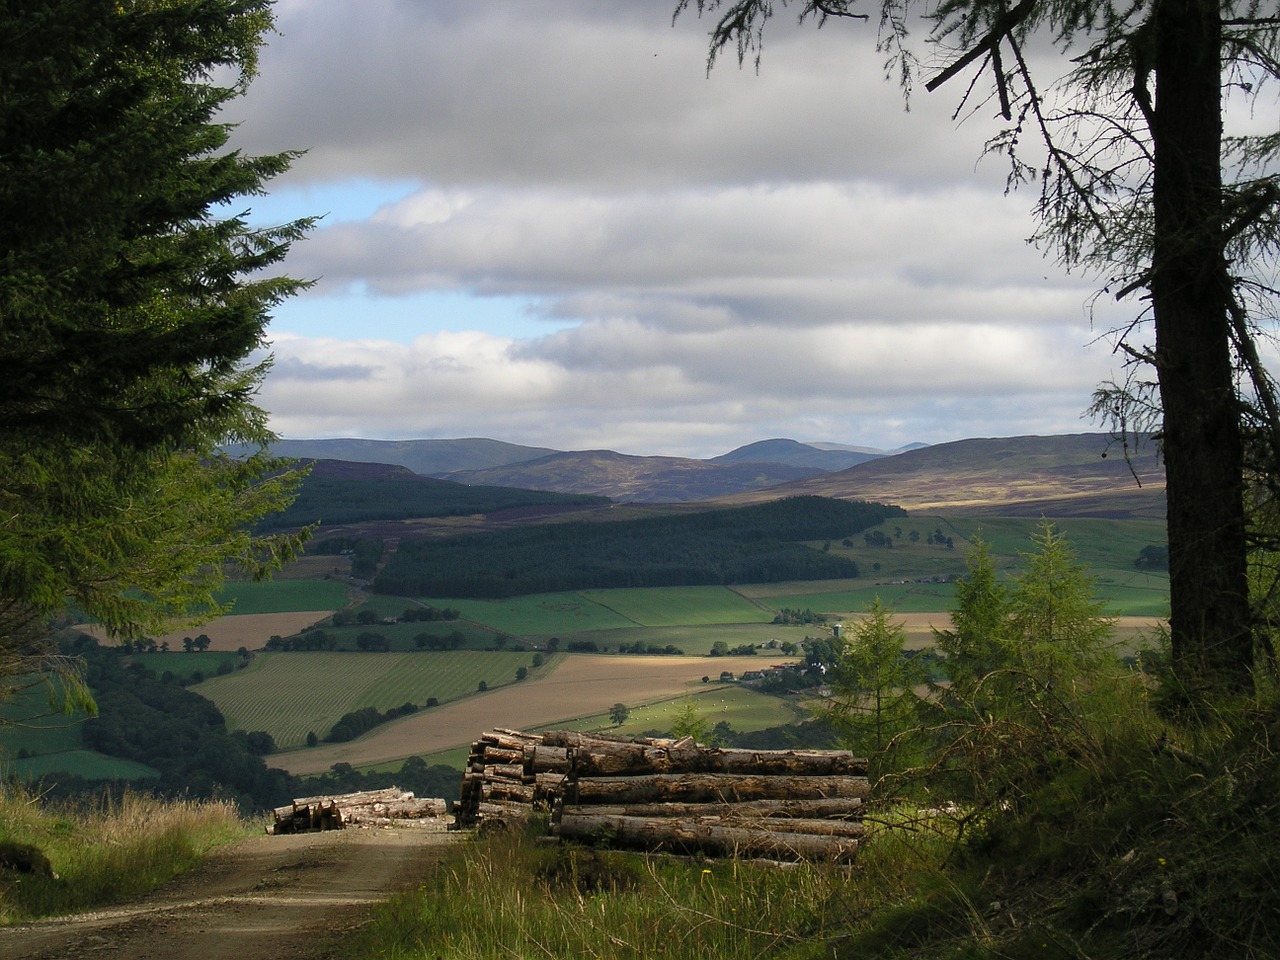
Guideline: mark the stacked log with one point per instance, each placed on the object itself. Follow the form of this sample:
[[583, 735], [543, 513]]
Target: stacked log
[[364, 808], [307, 815], [676, 795], [497, 784]]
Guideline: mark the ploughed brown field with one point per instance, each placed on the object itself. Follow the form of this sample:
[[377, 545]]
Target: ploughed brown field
[[583, 685], [230, 633]]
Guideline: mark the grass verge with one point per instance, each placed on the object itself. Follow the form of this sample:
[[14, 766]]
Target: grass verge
[[106, 854], [508, 896]]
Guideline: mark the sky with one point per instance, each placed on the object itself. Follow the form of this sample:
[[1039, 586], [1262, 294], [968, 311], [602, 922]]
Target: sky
[[545, 222]]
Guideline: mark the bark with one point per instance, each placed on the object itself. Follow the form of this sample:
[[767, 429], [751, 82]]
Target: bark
[[502, 755], [546, 759], [694, 836], [711, 787], [629, 759], [1212, 644], [504, 771], [847, 808], [582, 817], [508, 790]]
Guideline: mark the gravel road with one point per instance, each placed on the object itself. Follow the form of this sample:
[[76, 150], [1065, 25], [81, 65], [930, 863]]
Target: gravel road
[[263, 898]]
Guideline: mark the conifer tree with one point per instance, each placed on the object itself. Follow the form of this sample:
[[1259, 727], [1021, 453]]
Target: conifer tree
[[874, 699], [132, 302], [1139, 185]]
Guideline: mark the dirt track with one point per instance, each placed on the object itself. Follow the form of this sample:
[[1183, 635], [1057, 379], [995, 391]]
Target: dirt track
[[264, 898]]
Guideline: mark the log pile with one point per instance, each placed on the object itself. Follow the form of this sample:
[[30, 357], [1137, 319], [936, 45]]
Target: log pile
[[509, 776], [675, 795], [366, 808]]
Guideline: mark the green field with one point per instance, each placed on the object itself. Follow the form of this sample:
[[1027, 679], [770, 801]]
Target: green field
[[595, 611], [292, 694], [83, 763], [284, 596], [680, 606], [697, 641], [843, 598], [542, 614], [184, 665], [55, 744], [742, 708], [900, 575]]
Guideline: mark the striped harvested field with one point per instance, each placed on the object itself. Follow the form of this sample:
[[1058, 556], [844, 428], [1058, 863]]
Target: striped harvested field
[[292, 694], [581, 685]]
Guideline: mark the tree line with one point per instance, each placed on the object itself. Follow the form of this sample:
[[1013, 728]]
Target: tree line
[[357, 722], [756, 544]]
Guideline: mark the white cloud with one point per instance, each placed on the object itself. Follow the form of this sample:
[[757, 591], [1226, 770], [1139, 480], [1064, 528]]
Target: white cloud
[[720, 259]]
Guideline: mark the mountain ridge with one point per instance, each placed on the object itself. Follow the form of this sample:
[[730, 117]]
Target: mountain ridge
[[1062, 475]]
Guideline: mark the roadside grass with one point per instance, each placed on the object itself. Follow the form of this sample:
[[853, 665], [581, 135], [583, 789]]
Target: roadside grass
[[289, 695], [507, 896], [107, 853]]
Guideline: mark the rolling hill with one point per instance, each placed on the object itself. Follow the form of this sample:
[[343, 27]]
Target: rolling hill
[[427, 457], [636, 479], [340, 492], [796, 454], [1070, 475], [622, 477], [1077, 475]]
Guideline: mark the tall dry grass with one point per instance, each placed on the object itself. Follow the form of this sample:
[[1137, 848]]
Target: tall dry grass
[[510, 896], [105, 853]]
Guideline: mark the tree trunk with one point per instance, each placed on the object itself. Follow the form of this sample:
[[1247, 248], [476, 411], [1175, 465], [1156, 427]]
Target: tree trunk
[[1212, 643]]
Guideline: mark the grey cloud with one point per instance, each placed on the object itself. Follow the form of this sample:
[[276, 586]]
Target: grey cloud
[[294, 368], [585, 94], [786, 253], [801, 254]]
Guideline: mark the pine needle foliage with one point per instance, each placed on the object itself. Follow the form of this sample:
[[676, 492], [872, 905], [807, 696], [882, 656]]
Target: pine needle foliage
[[133, 297]]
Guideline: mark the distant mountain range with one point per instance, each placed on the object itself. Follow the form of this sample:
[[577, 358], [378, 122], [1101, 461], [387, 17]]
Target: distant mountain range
[[1084, 474], [431, 458], [825, 457], [619, 476], [1073, 475]]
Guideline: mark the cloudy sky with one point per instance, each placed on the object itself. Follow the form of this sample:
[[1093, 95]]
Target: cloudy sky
[[545, 223]]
